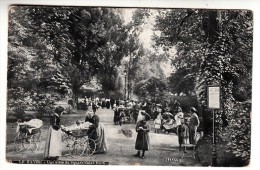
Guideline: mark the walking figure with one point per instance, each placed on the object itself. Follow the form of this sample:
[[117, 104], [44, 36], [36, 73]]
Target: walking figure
[[94, 107]]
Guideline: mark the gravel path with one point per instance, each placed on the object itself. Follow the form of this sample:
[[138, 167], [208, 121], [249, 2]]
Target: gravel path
[[164, 147]]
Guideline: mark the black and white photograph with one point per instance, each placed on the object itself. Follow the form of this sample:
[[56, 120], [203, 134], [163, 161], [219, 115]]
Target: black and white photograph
[[134, 86]]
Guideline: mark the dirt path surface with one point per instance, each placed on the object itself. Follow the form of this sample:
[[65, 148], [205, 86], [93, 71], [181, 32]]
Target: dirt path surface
[[164, 147]]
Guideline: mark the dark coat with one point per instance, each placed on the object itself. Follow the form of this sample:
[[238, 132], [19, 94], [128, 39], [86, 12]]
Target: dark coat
[[103, 104], [142, 139], [55, 122], [108, 104], [117, 115], [94, 107], [92, 132]]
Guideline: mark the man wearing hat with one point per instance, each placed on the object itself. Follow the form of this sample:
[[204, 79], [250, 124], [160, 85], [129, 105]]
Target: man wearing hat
[[142, 140], [193, 125]]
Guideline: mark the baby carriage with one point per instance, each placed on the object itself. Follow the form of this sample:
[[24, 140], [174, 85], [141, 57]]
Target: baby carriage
[[119, 115], [127, 116], [78, 142], [28, 136]]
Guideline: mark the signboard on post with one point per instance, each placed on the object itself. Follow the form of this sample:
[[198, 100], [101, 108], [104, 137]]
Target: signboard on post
[[214, 97], [214, 103]]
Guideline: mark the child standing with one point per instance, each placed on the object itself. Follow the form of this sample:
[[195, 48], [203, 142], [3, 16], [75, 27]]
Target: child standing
[[157, 124], [183, 133], [142, 140]]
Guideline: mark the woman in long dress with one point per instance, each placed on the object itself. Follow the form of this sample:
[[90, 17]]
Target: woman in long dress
[[53, 146], [179, 116], [97, 132], [193, 125], [142, 140]]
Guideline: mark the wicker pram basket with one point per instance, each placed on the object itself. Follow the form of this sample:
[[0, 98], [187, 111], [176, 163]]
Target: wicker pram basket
[[29, 129], [79, 132]]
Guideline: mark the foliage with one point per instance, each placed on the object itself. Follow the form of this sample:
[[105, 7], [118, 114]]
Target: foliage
[[213, 47], [43, 104], [182, 84], [240, 140], [151, 88], [72, 45], [21, 101], [220, 66], [186, 102]]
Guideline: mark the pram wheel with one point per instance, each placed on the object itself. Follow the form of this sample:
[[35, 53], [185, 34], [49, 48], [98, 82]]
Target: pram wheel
[[21, 142], [35, 142], [90, 147], [77, 148]]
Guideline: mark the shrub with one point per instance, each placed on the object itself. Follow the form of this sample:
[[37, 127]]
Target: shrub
[[186, 102], [240, 133], [43, 103]]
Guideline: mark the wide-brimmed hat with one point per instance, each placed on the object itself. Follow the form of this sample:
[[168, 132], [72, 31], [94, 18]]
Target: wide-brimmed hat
[[193, 109], [146, 115], [179, 109], [59, 110], [168, 114]]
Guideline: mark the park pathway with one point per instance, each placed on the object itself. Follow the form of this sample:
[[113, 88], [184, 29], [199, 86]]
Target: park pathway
[[164, 147]]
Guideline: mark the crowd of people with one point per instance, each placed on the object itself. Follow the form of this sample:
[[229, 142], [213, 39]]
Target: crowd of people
[[144, 115], [165, 120]]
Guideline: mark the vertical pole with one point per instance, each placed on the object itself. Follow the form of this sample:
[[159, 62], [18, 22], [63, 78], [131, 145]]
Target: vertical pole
[[214, 153], [128, 83], [125, 86]]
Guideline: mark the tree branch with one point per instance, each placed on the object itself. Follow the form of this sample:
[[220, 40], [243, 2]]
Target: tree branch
[[189, 13]]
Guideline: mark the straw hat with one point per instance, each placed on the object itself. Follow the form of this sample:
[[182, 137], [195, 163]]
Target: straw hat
[[193, 109], [146, 115]]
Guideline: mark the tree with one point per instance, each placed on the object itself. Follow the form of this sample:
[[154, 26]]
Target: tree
[[23, 74], [182, 81], [151, 88], [84, 42], [207, 43]]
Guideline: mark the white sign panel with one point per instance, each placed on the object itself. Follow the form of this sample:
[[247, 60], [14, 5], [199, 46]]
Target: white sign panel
[[214, 97]]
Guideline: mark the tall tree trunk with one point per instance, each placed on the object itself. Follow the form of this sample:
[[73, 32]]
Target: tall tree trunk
[[211, 29]]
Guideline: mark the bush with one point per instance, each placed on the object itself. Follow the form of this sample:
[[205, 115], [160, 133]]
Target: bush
[[240, 133], [43, 103], [186, 102], [224, 159]]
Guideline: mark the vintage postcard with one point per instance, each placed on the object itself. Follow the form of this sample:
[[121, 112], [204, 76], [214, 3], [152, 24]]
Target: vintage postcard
[[95, 85]]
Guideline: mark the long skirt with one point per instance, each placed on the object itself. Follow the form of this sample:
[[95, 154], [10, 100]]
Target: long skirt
[[53, 146], [142, 141], [101, 142], [192, 134]]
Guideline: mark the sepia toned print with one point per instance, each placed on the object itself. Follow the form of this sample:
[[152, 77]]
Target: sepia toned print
[[129, 86]]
